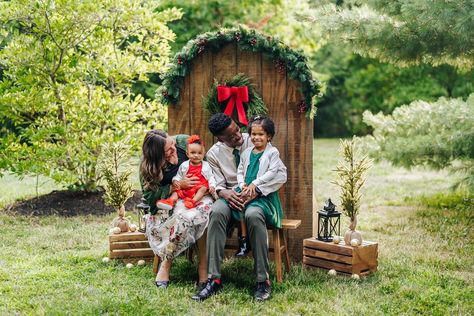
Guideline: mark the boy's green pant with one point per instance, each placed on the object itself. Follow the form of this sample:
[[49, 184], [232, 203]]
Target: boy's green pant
[[220, 218]]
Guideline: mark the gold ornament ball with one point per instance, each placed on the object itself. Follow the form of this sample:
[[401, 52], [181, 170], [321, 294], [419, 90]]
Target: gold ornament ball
[[354, 242], [336, 240], [332, 272], [116, 230], [133, 227], [129, 265], [141, 262], [105, 259], [356, 277]]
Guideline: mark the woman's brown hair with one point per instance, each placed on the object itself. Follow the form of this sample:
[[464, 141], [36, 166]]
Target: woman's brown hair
[[153, 158]]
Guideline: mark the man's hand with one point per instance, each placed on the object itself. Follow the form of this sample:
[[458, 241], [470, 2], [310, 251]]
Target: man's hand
[[234, 199], [187, 183]]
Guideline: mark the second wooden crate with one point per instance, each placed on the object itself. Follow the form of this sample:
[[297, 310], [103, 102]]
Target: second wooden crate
[[360, 260], [130, 247]]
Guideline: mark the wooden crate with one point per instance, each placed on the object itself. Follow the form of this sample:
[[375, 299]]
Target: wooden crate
[[345, 259], [130, 247]]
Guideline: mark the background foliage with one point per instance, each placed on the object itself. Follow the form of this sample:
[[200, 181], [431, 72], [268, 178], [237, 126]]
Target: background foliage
[[67, 72]]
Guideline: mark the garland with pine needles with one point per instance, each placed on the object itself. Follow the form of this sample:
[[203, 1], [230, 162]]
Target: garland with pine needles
[[253, 107], [351, 177], [114, 169], [286, 60]]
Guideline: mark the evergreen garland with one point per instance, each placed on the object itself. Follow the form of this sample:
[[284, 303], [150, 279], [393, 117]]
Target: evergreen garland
[[253, 107], [284, 58]]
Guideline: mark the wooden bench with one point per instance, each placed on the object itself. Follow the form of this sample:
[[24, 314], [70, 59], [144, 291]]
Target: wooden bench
[[279, 247]]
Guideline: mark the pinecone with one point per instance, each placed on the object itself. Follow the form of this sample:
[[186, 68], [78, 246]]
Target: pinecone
[[200, 49], [280, 66], [180, 60], [253, 42], [302, 107], [164, 93], [237, 36]]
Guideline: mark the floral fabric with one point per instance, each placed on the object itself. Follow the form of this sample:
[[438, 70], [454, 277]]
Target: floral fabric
[[170, 236]]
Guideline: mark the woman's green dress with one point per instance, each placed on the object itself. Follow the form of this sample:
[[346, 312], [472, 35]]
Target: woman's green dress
[[270, 204]]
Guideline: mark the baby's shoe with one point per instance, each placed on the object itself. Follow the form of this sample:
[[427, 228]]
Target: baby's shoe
[[166, 204], [244, 247], [189, 203]]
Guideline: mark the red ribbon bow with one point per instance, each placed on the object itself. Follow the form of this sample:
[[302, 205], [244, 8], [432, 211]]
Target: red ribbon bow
[[237, 96]]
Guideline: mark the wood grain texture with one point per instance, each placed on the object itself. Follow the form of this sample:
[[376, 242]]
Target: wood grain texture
[[300, 166], [127, 237], [178, 114], [201, 82], [250, 64]]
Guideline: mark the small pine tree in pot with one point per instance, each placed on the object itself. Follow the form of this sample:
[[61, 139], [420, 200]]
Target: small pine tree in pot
[[115, 170], [351, 172]]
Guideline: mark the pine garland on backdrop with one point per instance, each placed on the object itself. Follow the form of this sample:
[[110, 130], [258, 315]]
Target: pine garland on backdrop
[[285, 59], [253, 107]]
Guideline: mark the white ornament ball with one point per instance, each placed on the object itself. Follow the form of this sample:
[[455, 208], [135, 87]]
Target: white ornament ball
[[356, 277], [336, 239], [129, 265], [105, 259], [332, 272], [133, 227], [141, 262], [116, 230], [354, 242], [111, 231]]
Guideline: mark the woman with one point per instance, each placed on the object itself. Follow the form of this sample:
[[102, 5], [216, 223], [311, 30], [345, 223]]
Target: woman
[[169, 236]]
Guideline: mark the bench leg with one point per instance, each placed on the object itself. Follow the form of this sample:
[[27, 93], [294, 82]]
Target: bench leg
[[156, 263], [285, 243], [277, 254]]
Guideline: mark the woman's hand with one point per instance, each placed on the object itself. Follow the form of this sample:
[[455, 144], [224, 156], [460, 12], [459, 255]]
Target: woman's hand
[[187, 183], [234, 199]]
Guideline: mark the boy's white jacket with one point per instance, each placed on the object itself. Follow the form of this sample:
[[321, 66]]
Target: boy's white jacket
[[206, 172], [271, 174]]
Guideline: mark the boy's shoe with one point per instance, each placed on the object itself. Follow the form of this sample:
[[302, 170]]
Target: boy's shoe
[[244, 247], [211, 288], [166, 204], [263, 291], [189, 203]]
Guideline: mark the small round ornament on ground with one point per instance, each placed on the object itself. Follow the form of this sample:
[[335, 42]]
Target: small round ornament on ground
[[332, 272], [141, 262], [356, 277], [129, 265], [105, 259]]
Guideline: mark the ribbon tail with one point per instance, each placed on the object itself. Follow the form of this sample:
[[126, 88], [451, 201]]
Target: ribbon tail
[[241, 113], [230, 107]]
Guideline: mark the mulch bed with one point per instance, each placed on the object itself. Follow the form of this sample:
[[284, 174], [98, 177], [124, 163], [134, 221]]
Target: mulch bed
[[67, 203]]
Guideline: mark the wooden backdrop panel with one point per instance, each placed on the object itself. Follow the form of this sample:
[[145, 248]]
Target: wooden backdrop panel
[[281, 95], [274, 95], [201, 81]]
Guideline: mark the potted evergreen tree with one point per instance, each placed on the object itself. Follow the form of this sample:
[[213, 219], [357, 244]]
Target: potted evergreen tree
[[351, 172], [114, 168]]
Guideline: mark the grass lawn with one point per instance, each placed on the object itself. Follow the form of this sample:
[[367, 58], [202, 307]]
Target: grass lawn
[[52, 265]]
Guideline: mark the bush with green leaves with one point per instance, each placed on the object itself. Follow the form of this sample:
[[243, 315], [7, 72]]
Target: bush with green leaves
[[438, 135], [67, 72]]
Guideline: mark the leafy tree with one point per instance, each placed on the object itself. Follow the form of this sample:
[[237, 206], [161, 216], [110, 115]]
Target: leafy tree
[[423, 133], [68, 67]]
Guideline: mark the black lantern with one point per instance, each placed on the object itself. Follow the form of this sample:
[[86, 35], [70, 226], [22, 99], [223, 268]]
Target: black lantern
[[329, 222], [142, 209]]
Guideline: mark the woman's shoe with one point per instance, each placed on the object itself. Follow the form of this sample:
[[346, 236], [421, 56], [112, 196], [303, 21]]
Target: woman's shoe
[[162, 284]]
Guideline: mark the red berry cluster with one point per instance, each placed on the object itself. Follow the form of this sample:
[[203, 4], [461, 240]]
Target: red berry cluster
[[237, 36], [202, 45], [253, 42], [302, 107], [280, 65], [180, 60], [164, 93]]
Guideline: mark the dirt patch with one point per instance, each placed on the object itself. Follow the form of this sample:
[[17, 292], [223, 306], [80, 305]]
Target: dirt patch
[[66, 203]]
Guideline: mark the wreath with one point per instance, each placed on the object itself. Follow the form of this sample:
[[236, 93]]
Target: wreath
[[237, 93]]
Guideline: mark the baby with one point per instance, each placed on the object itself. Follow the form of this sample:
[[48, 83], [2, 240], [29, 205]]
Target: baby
[[194, 167]]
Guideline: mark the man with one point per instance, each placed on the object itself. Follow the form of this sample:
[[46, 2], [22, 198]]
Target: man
[[224, 157]]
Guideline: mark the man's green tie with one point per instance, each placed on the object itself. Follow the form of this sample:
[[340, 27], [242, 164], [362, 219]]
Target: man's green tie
[[236, 153]]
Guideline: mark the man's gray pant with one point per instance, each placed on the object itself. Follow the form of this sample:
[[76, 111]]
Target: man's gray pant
[[220, 218]]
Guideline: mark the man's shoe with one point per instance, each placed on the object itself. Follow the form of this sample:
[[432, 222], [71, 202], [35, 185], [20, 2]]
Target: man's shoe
[[263, 291], [162, 284], [244, 247], [211, 288]]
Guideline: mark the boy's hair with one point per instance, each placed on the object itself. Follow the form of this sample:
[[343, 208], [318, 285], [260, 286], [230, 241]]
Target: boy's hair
[[218, 123], [266, 123]]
